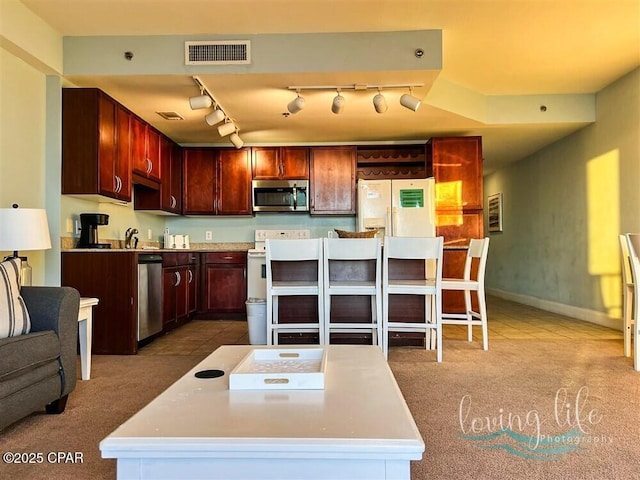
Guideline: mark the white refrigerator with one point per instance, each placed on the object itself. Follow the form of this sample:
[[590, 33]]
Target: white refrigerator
[[399, 208]]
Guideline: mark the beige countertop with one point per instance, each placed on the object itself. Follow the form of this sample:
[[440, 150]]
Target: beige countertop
[[198, 248]]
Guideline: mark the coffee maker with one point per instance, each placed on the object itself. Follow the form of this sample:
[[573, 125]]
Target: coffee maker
[[89, 223]]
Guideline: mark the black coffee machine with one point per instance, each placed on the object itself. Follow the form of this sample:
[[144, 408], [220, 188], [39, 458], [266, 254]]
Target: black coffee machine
[[89, 223]]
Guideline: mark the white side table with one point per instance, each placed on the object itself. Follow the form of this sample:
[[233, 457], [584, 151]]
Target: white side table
[[85, 323]]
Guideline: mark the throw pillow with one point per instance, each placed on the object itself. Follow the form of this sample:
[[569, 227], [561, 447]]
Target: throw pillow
[[345, 234], [14, 317]]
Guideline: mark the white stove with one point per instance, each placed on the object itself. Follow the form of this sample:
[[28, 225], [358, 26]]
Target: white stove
[[256, 259]]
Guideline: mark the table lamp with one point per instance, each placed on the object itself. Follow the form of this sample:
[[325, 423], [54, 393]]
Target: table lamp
[[23, 229]]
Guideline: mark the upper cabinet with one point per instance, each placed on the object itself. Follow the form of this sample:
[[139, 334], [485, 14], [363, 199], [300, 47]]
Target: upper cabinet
[[286, 163], [216, 181], [96, 145], [168, 198], [146, 150], [333, 180], [457, 169]]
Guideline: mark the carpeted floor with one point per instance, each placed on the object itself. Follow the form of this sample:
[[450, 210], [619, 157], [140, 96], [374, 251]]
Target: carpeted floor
[[570, 399]]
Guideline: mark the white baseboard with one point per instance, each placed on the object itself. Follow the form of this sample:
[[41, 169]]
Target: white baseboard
[[578, 313]]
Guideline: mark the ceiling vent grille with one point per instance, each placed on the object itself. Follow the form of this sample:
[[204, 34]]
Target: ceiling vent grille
[[224, 52]]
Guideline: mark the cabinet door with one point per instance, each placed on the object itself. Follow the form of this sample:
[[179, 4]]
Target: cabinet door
[[266, 163], [139, 146], [122, 167], [171, 184], [182, 293], [192, 296], [333, 184], [226, 288], [107, 146], [199, 181], [169, 284], [457, 169], [234, 182], [294, 162], [153, 169]]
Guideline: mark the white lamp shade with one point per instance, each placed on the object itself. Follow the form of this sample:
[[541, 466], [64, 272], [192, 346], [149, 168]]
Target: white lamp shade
[[338, 104], [226, 129], [380, 103], [410, 102], [295, 105], [214, 117], [201, 101], [236, 140], [24, 229]]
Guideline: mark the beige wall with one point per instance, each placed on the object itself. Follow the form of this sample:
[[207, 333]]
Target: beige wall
[[22, 132]]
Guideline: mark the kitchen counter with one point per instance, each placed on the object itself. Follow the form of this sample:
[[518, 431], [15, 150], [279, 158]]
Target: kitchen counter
[[198, 248]]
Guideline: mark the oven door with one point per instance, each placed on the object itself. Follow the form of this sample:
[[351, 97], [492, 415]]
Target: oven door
[[256, 273]]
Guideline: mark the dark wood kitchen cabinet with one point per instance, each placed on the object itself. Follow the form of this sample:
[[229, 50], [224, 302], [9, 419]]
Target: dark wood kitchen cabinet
[[280, 163], [457, 169], [96, 145], [179, 288], [146, 150], [111, 277], [168, 198], [216, 181], [225, 282], [333, 180]]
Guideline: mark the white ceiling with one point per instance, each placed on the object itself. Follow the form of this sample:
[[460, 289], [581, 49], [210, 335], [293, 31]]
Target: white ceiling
[[490, 48]]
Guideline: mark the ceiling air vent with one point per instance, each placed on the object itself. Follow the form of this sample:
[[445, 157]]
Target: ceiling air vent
[[223, 52]]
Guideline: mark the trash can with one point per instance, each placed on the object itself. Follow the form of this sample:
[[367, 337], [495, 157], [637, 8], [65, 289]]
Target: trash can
[[257, 320]]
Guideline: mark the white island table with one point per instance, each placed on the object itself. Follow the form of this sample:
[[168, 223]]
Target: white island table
[[357, 427]]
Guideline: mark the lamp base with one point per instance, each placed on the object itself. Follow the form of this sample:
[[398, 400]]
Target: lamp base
[[26, 272]]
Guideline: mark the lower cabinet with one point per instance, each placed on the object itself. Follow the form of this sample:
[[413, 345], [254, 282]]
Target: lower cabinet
[[179, 288], [224, 283]]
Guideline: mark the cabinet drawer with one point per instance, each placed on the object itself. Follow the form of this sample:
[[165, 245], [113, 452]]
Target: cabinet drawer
[[169, 259], [225, 257], [186, 258]]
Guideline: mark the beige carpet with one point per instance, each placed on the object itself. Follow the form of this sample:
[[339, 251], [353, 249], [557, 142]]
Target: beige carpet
[[515, 378]]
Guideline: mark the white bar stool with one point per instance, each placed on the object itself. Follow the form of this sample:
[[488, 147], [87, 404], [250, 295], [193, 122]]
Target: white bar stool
[[367, 250], [430, 250], [294, 250], [477, 252]]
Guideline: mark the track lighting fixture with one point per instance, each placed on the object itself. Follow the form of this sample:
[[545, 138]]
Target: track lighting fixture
[[201, 101], [226, 128], [214, 117], [236, 140], [380, 103], [338, 103], [206, 100], [296, 104], [409, 101]]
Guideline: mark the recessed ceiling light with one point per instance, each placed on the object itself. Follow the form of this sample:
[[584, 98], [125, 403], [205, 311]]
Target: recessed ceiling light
[[170, 115]]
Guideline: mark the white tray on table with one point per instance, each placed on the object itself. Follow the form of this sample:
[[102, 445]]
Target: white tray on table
[[280, 369]]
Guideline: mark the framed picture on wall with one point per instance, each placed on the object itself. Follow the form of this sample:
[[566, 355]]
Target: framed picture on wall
[[495, 212]]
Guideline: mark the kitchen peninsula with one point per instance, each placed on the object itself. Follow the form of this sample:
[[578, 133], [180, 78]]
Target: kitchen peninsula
[[198, 282]]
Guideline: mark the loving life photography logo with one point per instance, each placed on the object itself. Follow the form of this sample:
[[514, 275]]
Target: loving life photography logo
[[566, 426]]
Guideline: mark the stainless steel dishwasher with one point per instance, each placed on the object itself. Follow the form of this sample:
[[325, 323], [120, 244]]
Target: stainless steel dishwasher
[[149, 295]]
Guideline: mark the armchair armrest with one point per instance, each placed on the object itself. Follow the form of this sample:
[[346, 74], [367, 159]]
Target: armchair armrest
[[56, 308]]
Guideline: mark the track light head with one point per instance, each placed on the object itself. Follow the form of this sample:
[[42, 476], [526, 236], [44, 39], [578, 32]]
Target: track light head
[[226, 128], [409, 101], [201, 101], [338, 104], [214, 117], [236, 140], [380, 103], [295, 105]]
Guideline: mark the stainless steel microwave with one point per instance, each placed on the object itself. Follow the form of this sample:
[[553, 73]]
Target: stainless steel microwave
[[280, 195]]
